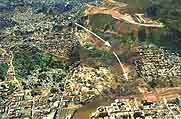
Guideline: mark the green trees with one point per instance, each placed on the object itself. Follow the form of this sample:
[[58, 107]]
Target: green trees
[[168, 12], [26, 59], [35, 92], [53, 90], [30, 61], [3, 71], [152, 83]]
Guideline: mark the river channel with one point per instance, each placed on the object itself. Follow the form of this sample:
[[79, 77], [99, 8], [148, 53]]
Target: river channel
[[85, 111]]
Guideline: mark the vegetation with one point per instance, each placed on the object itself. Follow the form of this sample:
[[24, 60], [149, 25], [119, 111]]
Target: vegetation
[[168, 12], [1, 51], [94, 52], [35, 92], [3, 71], [101, 21], [12, 88], [53, 90], [27, 59], [153, 83]]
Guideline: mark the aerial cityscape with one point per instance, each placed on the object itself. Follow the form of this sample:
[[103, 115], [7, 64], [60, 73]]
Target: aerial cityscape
[[90, 59]]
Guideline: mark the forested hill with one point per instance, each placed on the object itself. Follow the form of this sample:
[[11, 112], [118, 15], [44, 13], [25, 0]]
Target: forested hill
[[168, 12]]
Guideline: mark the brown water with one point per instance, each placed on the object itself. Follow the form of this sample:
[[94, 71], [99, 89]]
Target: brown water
[[87, 110]]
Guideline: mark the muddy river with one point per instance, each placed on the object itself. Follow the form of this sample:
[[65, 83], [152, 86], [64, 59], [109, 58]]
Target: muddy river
[[87, 110]]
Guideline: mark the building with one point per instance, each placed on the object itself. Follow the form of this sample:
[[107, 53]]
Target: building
[[178, 100]]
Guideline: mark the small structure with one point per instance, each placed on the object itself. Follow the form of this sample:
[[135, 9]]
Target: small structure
[[178, 100], [149, 100]]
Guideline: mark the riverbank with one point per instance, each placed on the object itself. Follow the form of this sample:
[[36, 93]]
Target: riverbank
[[85, 111]]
